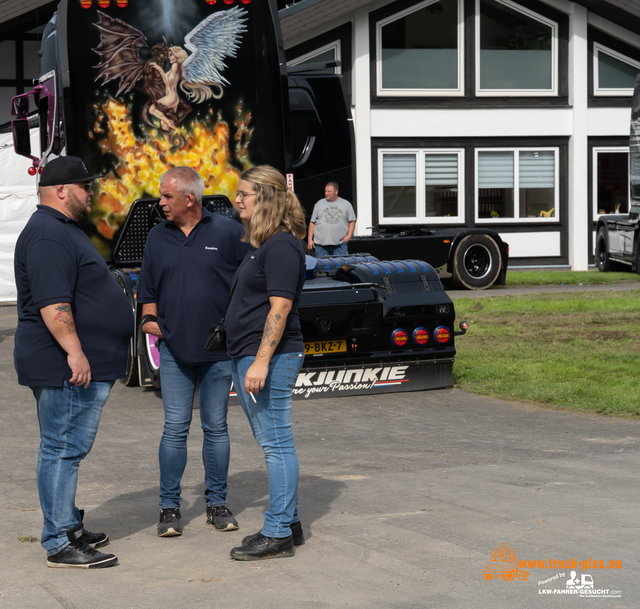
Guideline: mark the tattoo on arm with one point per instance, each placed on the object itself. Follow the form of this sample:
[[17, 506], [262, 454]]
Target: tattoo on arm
[[269, 334], [65, 316]]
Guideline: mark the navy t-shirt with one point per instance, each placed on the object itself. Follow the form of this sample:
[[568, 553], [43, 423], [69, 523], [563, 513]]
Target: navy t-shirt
[[276, 268], [55, 262], [189, 279]]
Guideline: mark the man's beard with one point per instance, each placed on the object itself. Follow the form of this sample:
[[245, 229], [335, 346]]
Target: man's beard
[[78, 210]]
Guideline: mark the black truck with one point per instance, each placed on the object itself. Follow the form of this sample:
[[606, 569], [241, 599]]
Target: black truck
[[618, 235], [369, 325]]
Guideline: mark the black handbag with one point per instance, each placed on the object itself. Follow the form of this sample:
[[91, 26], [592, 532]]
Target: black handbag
[[217, 339]]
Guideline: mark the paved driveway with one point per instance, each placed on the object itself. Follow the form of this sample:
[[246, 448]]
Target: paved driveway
[[402, 497]]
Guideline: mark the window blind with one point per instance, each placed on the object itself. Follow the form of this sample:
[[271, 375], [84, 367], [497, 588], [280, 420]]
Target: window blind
[[399, 170], [441, 169], [537, 169], [495, 170]]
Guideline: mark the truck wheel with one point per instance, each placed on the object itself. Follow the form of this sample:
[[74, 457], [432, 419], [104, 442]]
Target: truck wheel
[[602, 255], [131, 380], [487, 576], [148, 350], [476, 262], [511, 576]]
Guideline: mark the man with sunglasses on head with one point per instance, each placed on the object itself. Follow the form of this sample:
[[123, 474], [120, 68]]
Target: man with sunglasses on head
[[74, 328], [188, 266]]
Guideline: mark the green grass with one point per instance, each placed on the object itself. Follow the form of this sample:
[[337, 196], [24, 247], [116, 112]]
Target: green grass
[[578, 351], [523, 278]]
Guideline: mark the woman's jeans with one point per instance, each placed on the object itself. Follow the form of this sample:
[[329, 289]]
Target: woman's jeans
[[68, 417], [178, 389], [270, 419]]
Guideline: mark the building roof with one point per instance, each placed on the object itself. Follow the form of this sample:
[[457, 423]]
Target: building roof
[[301, 16]]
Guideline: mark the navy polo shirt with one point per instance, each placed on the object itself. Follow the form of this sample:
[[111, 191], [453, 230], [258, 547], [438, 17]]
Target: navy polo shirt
[[189, 279], [276, 268], [55, 262]]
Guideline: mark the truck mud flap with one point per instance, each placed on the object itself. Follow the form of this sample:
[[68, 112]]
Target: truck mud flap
[[371, 379]]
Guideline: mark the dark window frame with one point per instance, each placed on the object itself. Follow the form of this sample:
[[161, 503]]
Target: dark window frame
[[469, 145], [343, 33], [469, 99], [606, 101], [597, 142]]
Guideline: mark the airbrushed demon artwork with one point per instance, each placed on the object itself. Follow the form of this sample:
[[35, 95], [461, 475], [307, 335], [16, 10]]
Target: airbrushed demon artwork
[[199, 75], [169, 85]]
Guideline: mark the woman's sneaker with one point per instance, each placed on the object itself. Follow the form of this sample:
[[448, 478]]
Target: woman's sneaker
[[260, 547], [222, 518], [169, 525], [296, 532]]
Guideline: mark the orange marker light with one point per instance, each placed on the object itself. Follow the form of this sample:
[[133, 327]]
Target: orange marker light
[[442, 335], [420, 336], [399, 338]]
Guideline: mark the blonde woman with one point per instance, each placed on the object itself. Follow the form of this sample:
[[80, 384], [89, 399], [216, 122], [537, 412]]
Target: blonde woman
[[169, 103], [265, 344]]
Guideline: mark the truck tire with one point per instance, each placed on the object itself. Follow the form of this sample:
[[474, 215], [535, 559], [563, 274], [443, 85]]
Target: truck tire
[[602, 253], [476, 263], [131, 380], [148, 352]]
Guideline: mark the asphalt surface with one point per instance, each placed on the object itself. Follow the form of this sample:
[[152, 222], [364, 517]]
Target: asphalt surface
[[402, 498]]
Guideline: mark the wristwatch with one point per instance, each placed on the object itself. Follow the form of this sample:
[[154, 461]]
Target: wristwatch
[[147, 318]]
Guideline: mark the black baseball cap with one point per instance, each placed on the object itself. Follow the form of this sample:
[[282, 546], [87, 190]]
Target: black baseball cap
[[65, 170]]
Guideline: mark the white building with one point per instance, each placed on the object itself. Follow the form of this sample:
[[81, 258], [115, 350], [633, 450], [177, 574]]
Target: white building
[[513, 114]]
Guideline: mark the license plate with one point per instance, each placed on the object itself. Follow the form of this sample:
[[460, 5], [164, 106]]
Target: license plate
[[325, 346]]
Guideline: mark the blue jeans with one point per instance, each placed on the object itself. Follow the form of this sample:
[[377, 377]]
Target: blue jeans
[[270, 419], [68, 418], [331, 250], [178, 390]]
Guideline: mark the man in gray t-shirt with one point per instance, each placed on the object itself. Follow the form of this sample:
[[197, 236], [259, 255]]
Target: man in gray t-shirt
[[332, 224]]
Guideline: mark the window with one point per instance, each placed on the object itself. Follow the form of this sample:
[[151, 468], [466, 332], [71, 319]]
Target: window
[[610, 180], [328, 52], [516, 50], [614, 73], [421, 186], [517, 184], [420, 50]]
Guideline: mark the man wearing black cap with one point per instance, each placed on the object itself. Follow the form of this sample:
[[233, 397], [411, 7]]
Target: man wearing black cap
[[74, 327]]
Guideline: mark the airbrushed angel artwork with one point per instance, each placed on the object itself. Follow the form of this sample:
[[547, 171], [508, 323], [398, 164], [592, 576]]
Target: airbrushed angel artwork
[[198, 76]]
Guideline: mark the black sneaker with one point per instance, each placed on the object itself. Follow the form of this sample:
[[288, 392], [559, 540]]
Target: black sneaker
[[169, 525], [222, 518], [95, 540], [296, 532], [260, 547], [79, 555]]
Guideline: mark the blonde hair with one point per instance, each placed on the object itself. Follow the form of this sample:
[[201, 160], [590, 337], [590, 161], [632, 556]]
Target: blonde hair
[[179, 53], [276, 208]]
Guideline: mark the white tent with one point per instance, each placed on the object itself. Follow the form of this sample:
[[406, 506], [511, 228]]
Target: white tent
[[18, 200]]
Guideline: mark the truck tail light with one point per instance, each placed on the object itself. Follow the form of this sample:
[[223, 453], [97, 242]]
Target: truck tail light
[[354, 344], [86, 3], [399, 338], [442, 334], [420, 336]]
